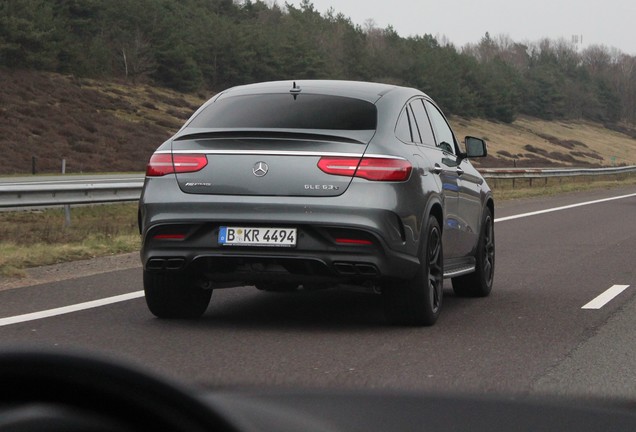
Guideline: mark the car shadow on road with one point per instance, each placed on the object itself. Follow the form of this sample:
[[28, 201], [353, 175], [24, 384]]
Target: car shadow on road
[[324, 309]]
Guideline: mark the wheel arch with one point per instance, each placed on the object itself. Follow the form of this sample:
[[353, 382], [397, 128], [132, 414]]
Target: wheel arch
[[490, 204], [435, 208]]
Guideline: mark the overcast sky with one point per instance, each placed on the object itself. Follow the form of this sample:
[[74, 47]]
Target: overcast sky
[[603, 22]]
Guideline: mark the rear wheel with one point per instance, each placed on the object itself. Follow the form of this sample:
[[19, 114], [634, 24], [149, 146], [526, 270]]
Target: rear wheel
[[479, 283], [418, 301], [174, 295]]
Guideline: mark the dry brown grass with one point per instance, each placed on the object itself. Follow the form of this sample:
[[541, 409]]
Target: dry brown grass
[[32, 239], [538, 143], [506, 189], [94, 125]]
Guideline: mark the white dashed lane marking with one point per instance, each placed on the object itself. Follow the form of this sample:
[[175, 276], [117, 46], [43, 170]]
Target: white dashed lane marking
[[606, 297]]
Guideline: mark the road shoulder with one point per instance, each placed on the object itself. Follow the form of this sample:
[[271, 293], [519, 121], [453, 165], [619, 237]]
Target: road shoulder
[[72, 270]]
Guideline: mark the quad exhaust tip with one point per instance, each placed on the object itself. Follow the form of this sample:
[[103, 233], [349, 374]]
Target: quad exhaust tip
[[165, 263], [356, 269]]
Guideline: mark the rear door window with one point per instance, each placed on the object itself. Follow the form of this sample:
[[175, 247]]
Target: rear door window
[[423, 124]]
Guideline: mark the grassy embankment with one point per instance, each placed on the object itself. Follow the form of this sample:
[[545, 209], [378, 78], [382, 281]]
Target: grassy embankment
[[31, 239], [530, 142]]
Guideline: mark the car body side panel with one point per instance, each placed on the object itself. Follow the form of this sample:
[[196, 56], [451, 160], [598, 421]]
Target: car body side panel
[[471, 204], [448, 183]]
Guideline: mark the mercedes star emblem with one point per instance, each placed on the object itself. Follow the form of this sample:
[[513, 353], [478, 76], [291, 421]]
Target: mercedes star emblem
[[260, 169]]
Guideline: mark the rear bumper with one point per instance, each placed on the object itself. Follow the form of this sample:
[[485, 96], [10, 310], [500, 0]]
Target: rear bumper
[[317, 257]]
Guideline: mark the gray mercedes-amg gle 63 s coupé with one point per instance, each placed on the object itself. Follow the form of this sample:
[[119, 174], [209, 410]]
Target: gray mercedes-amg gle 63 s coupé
[[301, 185]]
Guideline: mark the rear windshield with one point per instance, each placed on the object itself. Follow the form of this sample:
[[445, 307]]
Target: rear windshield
[[306, 111]]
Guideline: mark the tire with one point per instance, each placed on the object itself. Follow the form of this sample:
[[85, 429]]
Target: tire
[[479, 283], [174, 295], [418, 301]]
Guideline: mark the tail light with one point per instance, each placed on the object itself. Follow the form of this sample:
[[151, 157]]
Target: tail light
[[376, 169], [353, 241], [168, 236], [350, 236], [164, 163]]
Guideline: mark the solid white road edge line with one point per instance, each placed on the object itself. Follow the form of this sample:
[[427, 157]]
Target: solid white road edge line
[[562, 208], [68, 309], [606, 297]]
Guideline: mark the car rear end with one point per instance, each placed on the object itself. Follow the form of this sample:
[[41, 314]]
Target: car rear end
[[279, 184]]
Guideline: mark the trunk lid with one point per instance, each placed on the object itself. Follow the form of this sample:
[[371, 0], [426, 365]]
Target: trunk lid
[[268, 163]]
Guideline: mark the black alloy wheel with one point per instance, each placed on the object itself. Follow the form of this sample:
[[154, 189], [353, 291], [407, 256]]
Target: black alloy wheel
[[418, 301], [435, 269]]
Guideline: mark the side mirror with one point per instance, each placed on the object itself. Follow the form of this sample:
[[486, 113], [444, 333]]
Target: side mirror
[[475, 147], [446, 147]]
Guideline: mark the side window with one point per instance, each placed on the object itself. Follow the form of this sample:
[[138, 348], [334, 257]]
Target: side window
[[443, 133], [423, 125], [414, 130], [403, 128]]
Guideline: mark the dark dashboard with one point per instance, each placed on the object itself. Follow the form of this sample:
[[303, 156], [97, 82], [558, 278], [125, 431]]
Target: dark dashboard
[[59, 391]]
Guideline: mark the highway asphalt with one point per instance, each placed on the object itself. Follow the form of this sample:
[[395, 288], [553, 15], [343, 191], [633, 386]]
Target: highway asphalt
[[532, 336]]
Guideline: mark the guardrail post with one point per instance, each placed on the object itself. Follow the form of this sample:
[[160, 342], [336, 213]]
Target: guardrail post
[[67, 215], [67, 207]]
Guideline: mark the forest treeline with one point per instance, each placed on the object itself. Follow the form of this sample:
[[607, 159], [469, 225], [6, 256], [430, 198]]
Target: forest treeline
[[191, 45]]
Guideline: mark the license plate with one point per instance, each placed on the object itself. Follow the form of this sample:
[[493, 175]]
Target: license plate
[[249, 236]]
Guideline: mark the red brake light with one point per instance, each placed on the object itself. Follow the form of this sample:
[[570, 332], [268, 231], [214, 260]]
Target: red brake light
[[169, 237], [160, 164], [353, 241], [184, 163], [164, 163], [339, 166], [376, 169], [384, 169]]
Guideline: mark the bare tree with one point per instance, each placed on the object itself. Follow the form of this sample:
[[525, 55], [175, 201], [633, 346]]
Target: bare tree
[[623, 77], [596, 59], [137, 56]]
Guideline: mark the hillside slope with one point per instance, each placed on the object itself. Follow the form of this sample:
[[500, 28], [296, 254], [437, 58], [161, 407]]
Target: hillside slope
[[101, 126], [530, 142], [96, 126]]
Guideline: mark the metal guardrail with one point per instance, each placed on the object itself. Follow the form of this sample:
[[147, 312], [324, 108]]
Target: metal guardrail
[[35, 195], [517, 173], [53, 194]]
